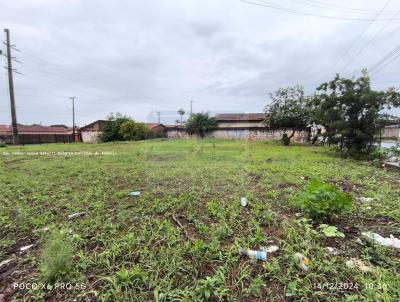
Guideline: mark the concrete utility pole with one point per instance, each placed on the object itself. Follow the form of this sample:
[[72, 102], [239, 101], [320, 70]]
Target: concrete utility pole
[[73, 116], [11, 89], [159, 117], [191, 108]]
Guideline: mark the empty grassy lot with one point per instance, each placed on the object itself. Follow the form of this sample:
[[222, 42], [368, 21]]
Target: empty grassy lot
[[178, 241]]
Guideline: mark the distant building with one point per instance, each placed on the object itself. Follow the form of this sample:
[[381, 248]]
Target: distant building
[[159, 130], [240, 120], [90, 132], [391, 131], [242, 126], [38, 134]]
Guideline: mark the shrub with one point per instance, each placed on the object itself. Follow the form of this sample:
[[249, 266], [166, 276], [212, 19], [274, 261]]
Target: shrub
[[133, 131], [323, 201], [285, 139], [3, 145], [57, 255]]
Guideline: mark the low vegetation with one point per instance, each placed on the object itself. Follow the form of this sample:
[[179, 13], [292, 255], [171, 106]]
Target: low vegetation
[[180, 239]]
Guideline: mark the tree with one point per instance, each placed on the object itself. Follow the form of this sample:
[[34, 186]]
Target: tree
[[111, 130], [181, 112], [351, 112], [289, 109], [133, 131], [200, 124]]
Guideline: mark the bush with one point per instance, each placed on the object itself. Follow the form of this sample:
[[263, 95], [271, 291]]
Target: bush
[[3, 145], [285, 139], [323, 201], [57, 255], [133, 131]]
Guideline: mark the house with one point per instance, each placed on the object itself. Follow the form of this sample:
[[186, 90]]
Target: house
[[90, 132], [38, 134], [159, 130], [240, 120]]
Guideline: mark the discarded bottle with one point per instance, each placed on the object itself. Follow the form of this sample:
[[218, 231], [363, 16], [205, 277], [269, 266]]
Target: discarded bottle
[[259, 255], [134, 193], [75, 215], [302, 260], [243, 201]]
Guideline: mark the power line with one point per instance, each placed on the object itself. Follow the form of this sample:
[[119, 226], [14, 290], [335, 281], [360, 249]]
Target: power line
[[369, 42], [358, 37], [289, 10], [383, 67], [387, 59], [349, 8]]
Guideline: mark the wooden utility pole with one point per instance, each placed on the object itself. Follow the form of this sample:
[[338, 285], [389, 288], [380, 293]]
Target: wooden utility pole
[[73, 117], [11, 89]]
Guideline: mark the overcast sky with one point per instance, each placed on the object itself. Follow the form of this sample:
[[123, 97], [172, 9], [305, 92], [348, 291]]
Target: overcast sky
[[138, 57]]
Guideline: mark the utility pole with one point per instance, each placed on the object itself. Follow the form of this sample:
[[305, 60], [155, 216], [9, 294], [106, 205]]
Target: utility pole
[[191, 108], [73, 117], [159, 117], [11, 89]]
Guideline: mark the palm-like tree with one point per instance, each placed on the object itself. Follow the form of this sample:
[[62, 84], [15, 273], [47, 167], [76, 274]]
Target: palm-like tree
[[181, 112]]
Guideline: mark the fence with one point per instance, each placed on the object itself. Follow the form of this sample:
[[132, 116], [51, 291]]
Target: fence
[[25, 139]]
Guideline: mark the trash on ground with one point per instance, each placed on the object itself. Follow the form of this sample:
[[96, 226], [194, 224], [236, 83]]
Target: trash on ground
[[297, 214], [75, 215], [357, 263], [330, 231], [332, 251], [25, 248], [302, 260], [243, 201], [304, 177], [259, 255], [183, 229], [135, 193], [365, 199], [4, 264], [388, 242], [270, 249]]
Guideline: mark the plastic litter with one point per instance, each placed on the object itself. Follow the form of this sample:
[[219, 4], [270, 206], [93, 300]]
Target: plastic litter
[[135, 193], [302, 260], [388, 242], [357, 263], [365, 199], [270, 249], [259, 255], [332, 251], [5, 262], [243, 201], [75, 215], [25, 248]]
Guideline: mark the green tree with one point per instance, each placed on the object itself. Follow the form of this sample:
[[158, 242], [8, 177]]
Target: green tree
[[181, 112], [111, 130], [133, 131], [289, 109], [351, 112], [200, 124]]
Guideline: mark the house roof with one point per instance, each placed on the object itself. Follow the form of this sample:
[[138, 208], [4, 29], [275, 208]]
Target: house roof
[[239, 117], [101, 122], [35, 129], [153, 125]]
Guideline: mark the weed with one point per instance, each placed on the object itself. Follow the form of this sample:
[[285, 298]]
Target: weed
[[323, 201], [57, 256]]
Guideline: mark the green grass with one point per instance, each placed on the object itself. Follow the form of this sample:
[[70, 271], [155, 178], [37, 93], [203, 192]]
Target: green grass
[[132, 249]]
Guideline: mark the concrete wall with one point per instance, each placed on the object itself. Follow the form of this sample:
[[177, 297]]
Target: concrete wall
[[90, 136], [243, 124], [244, 134], [391, 131]]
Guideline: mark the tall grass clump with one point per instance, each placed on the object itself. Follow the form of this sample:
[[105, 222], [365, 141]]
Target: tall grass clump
[[57, 256], [322, 201]]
